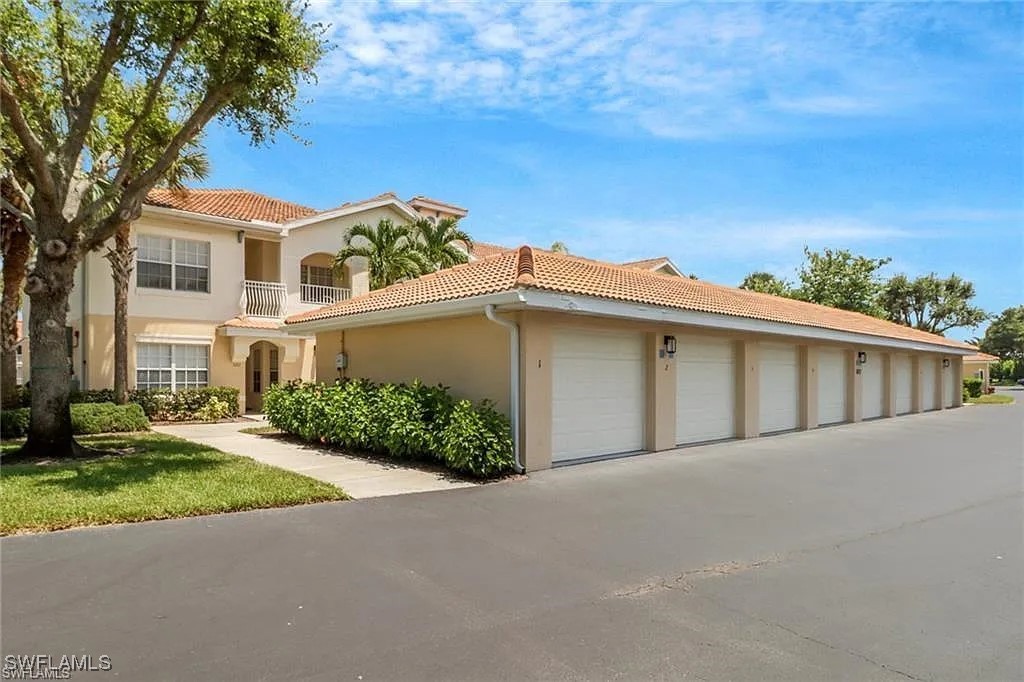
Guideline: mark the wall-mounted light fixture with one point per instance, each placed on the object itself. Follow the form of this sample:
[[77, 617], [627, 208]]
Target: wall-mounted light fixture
[[241, 236], [670, 345], [862, 357], [945, 362]]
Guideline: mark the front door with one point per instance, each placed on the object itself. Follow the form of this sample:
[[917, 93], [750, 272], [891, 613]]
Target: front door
[[262, 369], [254, 380]]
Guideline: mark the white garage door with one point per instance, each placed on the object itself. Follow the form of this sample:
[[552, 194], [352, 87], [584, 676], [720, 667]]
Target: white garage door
[[904, 385], [779, 388], [831, 386], [705, 390], [948, 386], [929, 368], [872, 397], [597, 394]]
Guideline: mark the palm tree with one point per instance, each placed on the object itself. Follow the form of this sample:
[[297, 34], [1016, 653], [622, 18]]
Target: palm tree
[[191, 164], [437, 242], [390, 251]]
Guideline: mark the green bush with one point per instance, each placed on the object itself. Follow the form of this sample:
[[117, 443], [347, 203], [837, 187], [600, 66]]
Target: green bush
[[477, 440], [395, 420], [188, 404], [14, 423], [161, 405], [86, 418], [107, 417], [972, 387]]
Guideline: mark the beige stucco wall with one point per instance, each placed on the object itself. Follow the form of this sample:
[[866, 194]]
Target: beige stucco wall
[[227, 272], [538, 327], [469, 354], [326, 238], [98, 342], [972, 369]]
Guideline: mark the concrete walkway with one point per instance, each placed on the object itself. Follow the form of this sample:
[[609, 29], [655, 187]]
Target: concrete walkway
[[356, 476]]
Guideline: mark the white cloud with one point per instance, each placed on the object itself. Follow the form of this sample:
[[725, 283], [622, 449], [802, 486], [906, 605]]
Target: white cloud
[[673, 70], [692, 240]]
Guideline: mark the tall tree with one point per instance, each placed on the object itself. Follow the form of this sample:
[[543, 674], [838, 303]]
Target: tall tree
[[840, 279], [17, 250], [559, 247], [81, 85], [192, 164], [1005, 335], [931, 303], [766, 283], [438, 242], [390, 251]]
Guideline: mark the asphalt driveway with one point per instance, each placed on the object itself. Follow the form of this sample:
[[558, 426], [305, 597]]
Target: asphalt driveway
[[889, 550]]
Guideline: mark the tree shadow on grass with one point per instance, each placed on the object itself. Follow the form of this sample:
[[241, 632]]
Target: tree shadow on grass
[[151, 458]]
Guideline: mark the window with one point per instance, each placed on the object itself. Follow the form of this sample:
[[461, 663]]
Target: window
[[173, 367], [257, 370], [275, 367], [178, 264], [316, 275]]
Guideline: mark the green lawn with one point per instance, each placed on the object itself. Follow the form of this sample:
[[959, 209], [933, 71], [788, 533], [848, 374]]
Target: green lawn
[[992, 399], [163, 477]]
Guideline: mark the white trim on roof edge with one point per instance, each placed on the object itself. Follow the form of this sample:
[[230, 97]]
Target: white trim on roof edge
[[450, 308], [356, 207], [591, 305], [526, 298]]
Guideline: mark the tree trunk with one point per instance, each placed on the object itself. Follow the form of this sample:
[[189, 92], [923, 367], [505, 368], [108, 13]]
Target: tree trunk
[[17, 247], [49, 288], [120, 258]]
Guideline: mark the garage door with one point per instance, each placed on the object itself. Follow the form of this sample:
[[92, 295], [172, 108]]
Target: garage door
[[831, 386], [779, 388], [948, 386], [705, 390], [597, 394], [928, 379], [872, 397], [904, 385]]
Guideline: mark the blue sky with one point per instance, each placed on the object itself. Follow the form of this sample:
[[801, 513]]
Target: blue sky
[[723, 136]]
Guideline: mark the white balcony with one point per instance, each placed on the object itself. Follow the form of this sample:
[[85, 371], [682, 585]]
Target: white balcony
[[263, 299], [317, 294]]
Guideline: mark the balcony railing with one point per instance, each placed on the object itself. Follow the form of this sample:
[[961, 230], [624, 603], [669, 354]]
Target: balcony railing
[[322, 295], [263, 299]]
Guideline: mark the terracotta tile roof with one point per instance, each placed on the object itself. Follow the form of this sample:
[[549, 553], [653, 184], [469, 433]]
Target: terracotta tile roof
[[483, 249], [251, 323], [981, 357], [489, 275], [647, 263], [239, 204], [529, 268]]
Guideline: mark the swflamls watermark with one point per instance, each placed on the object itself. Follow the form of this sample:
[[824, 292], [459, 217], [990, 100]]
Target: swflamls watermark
[[46, 667]]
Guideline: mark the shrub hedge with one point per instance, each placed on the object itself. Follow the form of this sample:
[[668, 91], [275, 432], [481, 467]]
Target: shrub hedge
[[202, 404], [973, 386], [191, 404], [400, 421], [86, 418]]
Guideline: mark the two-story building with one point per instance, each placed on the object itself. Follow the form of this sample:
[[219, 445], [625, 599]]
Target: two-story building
[[216, 273]]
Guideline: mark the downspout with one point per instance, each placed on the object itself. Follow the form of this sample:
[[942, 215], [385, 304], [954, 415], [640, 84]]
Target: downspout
[[83, 343], [513, 343]]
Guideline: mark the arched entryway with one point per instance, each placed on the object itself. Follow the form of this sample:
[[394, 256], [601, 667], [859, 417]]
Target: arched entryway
[[262, 369], [320, 283]]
